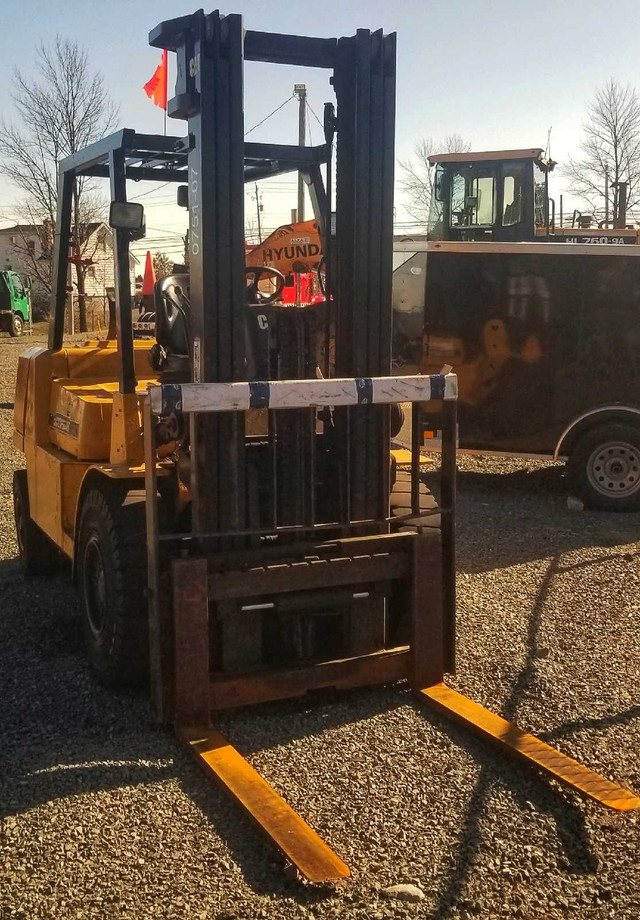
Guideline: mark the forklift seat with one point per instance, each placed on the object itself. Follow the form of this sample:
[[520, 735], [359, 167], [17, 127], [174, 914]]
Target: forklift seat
[[170, 356]]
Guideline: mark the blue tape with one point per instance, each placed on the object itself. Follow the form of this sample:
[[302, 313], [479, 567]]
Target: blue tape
[[364, 390], [171, 398], [259, 394], [437, 386]]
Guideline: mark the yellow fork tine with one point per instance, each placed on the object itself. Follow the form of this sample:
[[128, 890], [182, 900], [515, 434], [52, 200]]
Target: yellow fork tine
[[529, 748], [306, 850]]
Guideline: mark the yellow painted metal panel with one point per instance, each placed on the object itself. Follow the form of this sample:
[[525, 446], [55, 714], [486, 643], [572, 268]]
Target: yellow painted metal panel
[[46, 500]]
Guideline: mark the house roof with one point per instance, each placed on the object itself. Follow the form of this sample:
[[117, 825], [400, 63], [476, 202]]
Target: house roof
[[23, 228]]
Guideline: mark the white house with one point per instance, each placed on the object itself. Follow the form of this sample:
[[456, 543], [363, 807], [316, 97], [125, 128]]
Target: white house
[[25, 248]]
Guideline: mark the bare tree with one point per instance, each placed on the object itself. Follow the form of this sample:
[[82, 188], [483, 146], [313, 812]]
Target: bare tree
[[417, 173], [162, 265], [611, 145], [61, 109], [185, 241]]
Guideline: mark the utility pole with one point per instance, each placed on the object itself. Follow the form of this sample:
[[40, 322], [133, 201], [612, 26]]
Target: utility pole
[[258, 209], [606, 195], [300, 90]]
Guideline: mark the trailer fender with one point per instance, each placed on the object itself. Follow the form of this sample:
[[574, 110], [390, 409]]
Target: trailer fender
[[590, 418]]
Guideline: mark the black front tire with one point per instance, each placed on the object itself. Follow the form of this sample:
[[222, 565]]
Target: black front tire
[[17, 326], [604, 467], [38, 555], [111, 574]]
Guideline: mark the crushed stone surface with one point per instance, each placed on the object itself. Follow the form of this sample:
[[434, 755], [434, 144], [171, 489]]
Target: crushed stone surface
[[104, 816]]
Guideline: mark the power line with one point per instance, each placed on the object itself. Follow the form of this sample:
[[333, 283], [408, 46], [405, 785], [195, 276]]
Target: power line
[[267, 117], [151, 191], [314, 115]]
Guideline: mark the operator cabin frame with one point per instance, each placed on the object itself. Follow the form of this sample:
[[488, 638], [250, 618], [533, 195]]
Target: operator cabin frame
[[127, 155], [503, 196]]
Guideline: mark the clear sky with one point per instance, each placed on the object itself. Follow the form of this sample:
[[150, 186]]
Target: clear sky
[[498, 72]]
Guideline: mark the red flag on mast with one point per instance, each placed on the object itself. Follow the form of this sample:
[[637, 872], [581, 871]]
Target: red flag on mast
[[156, 88]]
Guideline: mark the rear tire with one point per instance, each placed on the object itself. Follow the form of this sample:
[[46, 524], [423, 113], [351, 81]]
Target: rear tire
[[111, 572], [38, 554], [17, 326], [604, 467]]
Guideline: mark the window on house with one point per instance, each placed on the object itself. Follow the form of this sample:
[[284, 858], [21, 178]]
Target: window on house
[[31, 247]]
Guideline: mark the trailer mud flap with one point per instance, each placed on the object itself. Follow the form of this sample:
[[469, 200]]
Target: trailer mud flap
[[293, 836], [528, 748]]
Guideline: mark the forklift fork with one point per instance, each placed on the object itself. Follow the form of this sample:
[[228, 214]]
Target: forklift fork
[[418, 560]]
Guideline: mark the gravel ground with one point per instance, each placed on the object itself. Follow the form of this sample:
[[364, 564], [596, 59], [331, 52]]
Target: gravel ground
[[105, 817]]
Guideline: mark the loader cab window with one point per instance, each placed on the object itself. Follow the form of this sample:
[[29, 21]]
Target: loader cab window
[[473, 198], [436, 205], [512, 196], [540, 193]]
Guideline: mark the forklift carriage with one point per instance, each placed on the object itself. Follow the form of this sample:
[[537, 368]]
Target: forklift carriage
[[284, 551]]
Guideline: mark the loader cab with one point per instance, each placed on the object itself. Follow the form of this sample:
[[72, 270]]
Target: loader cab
[[500, 196]]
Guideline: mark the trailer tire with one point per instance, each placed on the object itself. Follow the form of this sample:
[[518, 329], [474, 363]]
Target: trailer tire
[[604, 467], [38, 555], [396, 419], [17, 325], [111, 577]]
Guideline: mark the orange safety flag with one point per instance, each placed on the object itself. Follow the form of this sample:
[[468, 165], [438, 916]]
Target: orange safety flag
[[156, 88], [149, 277]]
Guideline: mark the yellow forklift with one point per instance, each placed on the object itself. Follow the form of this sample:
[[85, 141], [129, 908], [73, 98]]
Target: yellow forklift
[[236, 529]]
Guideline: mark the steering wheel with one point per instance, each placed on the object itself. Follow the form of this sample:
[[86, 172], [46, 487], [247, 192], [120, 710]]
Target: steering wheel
[[321, 272], [254, 275]]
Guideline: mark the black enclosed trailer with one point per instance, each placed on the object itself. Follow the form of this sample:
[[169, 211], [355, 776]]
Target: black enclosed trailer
[[545, 340]]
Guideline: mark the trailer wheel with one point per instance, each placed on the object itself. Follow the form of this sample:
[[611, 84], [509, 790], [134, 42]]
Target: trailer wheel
[[604, 467], [17, 325], [38, 555], [397, 419], [111, 577]]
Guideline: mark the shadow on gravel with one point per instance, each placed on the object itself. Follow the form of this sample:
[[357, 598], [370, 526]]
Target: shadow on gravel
[[530, 789], [268, 726], [534, 500], [572, 728], [64, 735]]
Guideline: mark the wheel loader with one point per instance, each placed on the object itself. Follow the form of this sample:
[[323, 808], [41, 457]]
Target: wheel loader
[[234, 524]]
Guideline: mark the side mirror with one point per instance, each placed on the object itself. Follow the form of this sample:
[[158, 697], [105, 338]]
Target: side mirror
[[183, 196], [128, 215]]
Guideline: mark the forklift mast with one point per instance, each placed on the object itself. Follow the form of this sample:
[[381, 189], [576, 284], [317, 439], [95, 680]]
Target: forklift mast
[[211, 50]]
